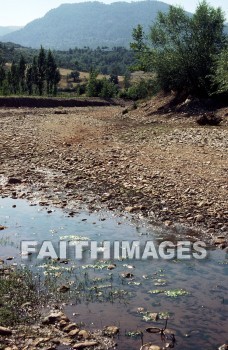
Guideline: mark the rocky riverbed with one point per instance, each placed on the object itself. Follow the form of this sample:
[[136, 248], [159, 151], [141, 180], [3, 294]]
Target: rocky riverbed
[[154, 161]]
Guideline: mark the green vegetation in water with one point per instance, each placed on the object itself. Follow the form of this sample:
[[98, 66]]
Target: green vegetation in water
[[160, 282], [100, 265], [134, 334], [21, 296], [170, 293], [74, 238]]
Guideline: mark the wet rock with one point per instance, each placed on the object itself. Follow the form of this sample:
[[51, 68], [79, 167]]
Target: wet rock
[[63, 289], [168, 223], [66, 341], [74, 332], [84, 334], [111, 267], [40, 341], [63, 323], [2, 227], [150, 346], [54, 317], [223, 347], [110, 330], [153, 330], [153, 316], [169, 331], [85, 344], [70, 327], [219, 240], [127, 275]]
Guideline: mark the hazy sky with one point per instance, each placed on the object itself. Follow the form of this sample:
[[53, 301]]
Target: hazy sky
[[20, 12]]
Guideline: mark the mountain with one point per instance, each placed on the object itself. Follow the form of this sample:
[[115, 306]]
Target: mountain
[[89, 24], [7, 30]]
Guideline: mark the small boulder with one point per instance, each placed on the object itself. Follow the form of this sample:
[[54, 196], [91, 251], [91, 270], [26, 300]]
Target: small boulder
[[110, 330], [5, 331], [55, 316], [14, 181]]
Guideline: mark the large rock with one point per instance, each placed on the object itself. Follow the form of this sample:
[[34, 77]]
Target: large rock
[[14, 181], [5, 331], [55, 316]]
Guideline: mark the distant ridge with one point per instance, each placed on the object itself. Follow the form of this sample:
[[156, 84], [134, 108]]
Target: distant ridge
[[9, 29], [90, 24]]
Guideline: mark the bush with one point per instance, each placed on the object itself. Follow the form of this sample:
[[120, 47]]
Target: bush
[[183, 48], [100, 87], [108, 89], [140, 90]]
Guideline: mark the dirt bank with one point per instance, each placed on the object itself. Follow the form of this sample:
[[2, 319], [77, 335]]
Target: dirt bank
[[154, 161], [40, 102]]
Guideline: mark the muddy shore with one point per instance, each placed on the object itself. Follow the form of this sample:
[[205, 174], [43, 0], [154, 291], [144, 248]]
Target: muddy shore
[[154, 162]]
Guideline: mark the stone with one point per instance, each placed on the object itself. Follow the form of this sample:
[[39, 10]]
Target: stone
[[111, 266], [223, 347], [85, 344], [55, 316], [84, 334], [73, 332], [150, 346], [129, 209], [219, 240], [111, 330], [153, 316], [5, 331], [127, 275], [14, 181], [70, 327], [199, 218], [168, 223], [63, 289]]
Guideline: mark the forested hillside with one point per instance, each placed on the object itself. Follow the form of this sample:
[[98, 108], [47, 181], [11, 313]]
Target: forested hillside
[[89, 24], [103, 60]]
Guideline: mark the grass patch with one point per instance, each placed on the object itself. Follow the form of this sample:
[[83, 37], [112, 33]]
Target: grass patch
[[20, 296]]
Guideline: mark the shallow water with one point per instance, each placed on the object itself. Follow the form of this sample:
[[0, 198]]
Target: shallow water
[[199, 319]]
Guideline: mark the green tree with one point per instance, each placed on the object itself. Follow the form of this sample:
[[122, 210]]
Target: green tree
[[2, 74], [21, 74], [29, 80], [41, 67], [51, 69], [108, 89], [93, 87], [140, 47], [220, 76], [13, 78], [75, 75], [56, 80], [183, 48]]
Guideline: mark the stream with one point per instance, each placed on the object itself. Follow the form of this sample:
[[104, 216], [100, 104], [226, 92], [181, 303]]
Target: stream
[[133, 294]]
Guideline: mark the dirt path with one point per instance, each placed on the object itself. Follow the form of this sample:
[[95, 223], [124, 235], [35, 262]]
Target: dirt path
[[149, 161]]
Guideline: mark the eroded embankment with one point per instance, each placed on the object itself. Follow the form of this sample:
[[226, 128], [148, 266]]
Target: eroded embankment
[[39, 102]]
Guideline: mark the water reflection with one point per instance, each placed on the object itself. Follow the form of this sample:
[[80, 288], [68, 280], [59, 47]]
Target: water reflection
[[197, 317]]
